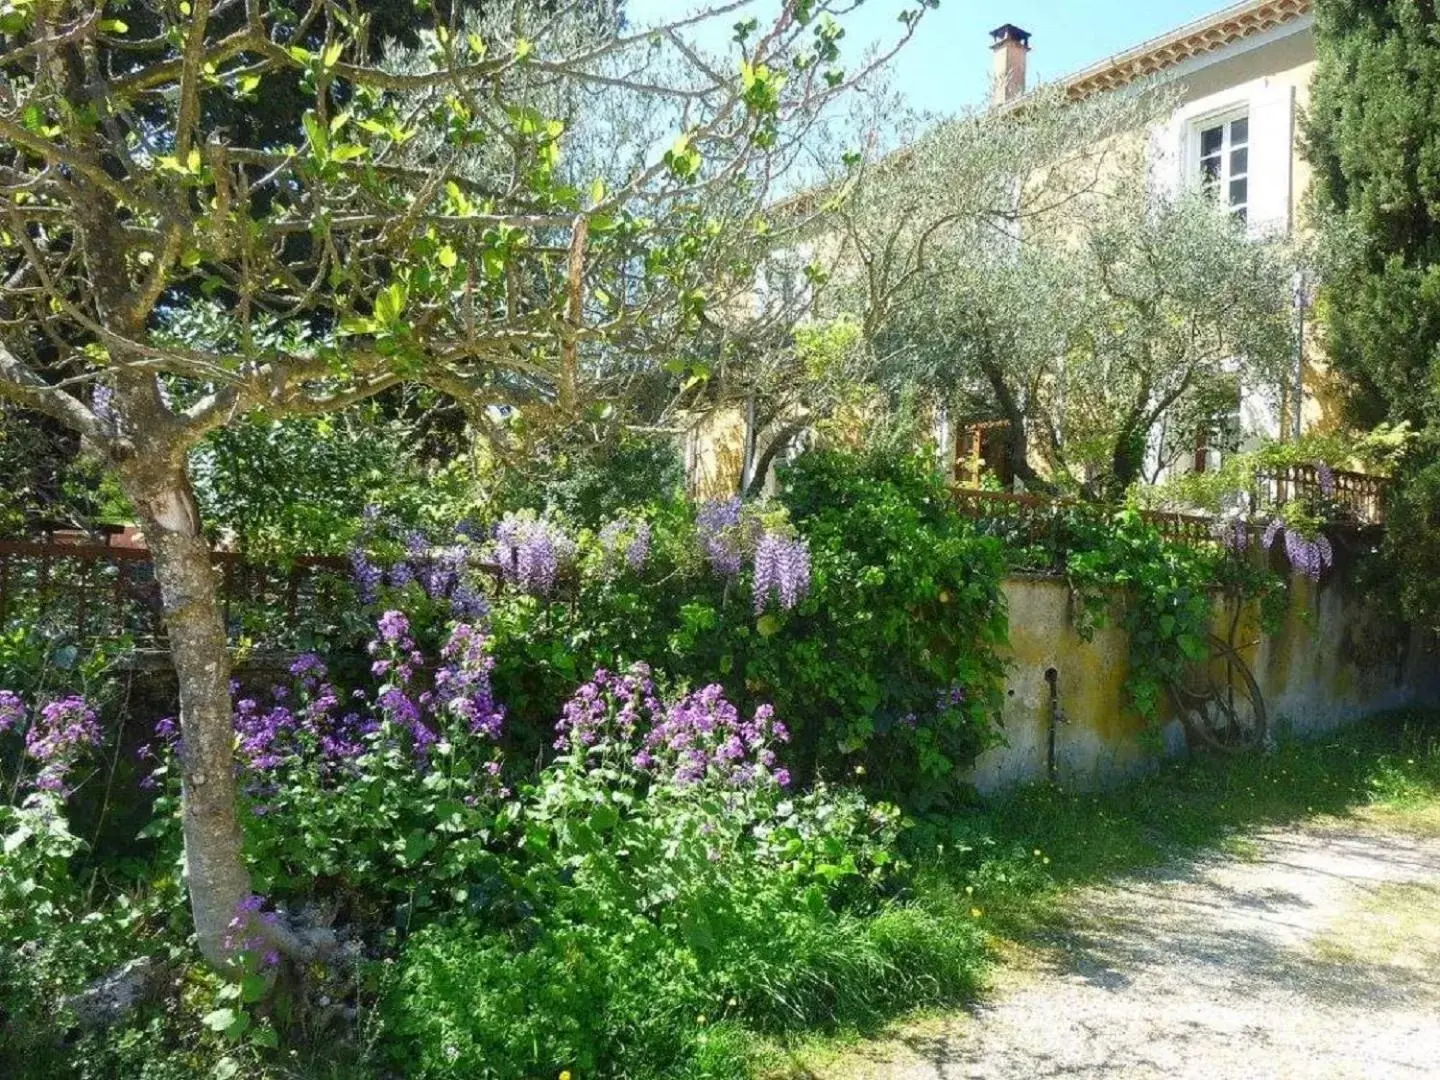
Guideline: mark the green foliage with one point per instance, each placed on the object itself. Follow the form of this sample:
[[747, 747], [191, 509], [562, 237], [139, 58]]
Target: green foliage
[[299, 486], [1377, 451], [1372, 139], [1412, 542], [590, 483], [904, 607], [1166, 597]]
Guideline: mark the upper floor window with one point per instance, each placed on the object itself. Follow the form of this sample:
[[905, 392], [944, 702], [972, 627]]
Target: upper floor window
[[1223, 152]]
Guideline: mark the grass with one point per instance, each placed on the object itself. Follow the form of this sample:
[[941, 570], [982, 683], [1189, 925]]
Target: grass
[[1006, 868]]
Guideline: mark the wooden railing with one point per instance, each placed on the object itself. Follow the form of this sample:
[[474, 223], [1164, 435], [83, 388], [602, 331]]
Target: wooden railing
[[83, 592], [1032, 518], [1359, 495]]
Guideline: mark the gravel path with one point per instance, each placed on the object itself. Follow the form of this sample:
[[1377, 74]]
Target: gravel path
[[1316, 957]]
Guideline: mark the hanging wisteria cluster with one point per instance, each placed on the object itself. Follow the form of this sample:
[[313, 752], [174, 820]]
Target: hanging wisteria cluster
[[720, 524], [617, 720], [1233, 533], [1310, 556], [1326, 477], [532, 553], [57, 736], [624, 544], [781, 561], [444, 571], [782, 571]]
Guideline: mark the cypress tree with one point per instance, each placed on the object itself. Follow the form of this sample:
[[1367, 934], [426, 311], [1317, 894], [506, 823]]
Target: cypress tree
[[1373, 136]]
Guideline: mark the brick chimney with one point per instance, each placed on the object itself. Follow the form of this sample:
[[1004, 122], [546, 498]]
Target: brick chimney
[[1008, 71]]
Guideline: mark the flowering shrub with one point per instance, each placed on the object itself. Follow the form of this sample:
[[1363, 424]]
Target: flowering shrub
[[678, 878], [392, 787], [56, 737]]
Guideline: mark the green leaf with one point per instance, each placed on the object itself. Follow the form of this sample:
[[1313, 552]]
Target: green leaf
[[220, 1019], [253, 988], [448, 258], [114, 26], [417, 846], [1193, 647]]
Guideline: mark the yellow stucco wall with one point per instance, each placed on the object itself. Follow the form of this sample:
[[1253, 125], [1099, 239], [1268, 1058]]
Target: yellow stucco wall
[[1332, 661]]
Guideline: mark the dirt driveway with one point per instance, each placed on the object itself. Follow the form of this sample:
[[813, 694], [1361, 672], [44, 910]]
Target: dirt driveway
[[1315, 954]]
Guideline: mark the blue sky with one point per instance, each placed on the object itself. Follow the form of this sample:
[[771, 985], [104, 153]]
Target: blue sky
[[947, 66]]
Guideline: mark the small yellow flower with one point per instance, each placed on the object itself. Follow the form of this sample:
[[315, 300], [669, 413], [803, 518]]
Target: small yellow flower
[[732, 1003], [969, 890], [1037, 853], [1046, 860], [975, 913], [564, 1074], [700, 1019]]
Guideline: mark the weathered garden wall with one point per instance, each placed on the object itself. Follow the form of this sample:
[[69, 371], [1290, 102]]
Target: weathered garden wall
[[1332, 661]]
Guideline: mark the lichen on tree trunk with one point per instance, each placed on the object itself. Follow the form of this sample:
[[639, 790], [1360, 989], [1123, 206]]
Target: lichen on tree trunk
[[215, 870]]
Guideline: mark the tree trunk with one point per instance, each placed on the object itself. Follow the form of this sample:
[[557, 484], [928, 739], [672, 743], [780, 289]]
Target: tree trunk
[[215, 870], [1126, 463]]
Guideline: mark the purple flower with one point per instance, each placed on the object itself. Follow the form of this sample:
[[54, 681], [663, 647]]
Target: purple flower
[[1233, 533], [61, 734], [1272, 530], [624, 542], [638, 553], [367, 576], [1326, 476], [12, 712], [532, 553], [718, 523], [393, 626], [782, 570]]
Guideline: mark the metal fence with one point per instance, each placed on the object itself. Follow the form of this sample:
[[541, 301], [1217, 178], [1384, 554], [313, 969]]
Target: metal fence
[[92, 591]]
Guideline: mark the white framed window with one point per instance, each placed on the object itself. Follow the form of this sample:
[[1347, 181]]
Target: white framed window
[[1220, 156]]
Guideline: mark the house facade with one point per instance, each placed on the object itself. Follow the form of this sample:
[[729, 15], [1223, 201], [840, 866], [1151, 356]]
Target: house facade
[[1241, 80]]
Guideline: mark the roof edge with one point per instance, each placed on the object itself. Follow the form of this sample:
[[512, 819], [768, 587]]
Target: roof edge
[[1234, 23]]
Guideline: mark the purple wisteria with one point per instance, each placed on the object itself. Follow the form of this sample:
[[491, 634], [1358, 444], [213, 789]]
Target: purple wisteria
[[441, 570], [57, 736], [782, 571], [1309, 556], [721, 541], [702, 737], [532, 553], [1233, 533], [624, 542], [1326, 476]]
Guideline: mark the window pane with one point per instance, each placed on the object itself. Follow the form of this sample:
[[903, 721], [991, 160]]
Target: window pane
[[1239, 192], [1239, 162], [1210, 172], [1210, 140], [1240, 131]]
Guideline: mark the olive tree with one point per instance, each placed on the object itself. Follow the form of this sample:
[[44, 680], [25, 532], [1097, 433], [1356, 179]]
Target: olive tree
[[531, 207], [1023, 265]]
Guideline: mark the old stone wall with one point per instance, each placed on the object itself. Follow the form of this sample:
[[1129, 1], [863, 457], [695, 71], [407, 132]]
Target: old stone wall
[[1333, 660]]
